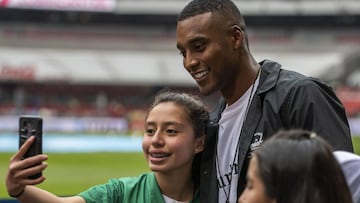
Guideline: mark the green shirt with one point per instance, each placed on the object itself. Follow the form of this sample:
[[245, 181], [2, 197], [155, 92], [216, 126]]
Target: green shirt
[[140, 189]]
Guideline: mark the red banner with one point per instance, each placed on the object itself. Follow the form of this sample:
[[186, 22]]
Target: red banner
[[3, 3], [9, 72], [78, 5]]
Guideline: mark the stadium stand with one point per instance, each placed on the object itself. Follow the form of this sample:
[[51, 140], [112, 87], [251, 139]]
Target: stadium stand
[[62, 57], [106, 60]]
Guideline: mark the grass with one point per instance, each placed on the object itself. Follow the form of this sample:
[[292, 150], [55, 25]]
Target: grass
[[69, 174], [356, 144]]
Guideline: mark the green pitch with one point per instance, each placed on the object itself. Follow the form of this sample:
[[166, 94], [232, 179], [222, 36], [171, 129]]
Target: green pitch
[[69, 174], [356, 144]]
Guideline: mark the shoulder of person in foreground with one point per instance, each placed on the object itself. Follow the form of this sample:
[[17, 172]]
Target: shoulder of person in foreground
[[313, 162], [295, 166], [350, 164]]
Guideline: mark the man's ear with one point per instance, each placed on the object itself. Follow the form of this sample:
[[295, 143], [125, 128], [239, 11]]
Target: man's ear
[[237, 36]]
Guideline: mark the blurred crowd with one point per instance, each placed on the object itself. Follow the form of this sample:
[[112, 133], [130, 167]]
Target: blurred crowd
[[58, 100]]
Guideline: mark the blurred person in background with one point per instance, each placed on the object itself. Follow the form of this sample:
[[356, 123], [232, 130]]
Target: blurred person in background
[[295, 166], [350, 164], [257, 100], [173, 140]]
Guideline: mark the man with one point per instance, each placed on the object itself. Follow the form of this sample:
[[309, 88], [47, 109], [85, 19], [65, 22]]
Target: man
[[258, 99]]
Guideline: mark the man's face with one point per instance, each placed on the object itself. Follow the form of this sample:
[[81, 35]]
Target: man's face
[[207, 49]]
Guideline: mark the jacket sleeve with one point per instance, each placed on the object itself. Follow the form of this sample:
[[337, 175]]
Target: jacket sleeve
[[313, 105]]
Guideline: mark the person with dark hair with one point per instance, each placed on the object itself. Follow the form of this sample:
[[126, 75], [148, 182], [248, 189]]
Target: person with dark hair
[[257, 99], [295, 166], [173, 140]]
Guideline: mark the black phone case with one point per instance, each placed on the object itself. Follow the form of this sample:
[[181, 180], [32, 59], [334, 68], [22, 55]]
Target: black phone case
[[28, 126]]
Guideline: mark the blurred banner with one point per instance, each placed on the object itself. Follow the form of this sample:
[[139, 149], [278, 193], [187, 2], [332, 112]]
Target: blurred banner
[[77, 143], [68, 5], [72, 125], [103, 125]]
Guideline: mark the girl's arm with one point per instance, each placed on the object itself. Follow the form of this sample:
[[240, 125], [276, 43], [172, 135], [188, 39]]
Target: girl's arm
[[20, 186]]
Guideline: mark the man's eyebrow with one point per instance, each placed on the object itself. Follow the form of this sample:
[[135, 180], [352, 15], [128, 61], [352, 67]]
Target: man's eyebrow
[[196, 39], [192, 41]]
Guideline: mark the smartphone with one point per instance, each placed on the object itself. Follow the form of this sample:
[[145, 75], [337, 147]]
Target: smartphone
[[31, 126]]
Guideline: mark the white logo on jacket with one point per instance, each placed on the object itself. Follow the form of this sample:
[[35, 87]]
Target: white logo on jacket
[[255, 142]]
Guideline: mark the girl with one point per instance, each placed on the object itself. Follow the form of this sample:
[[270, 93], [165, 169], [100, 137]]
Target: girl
[[295, 166], [173, 138]]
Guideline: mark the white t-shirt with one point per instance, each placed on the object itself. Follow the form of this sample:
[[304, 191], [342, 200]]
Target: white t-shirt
[[230, 124], [170, 200]]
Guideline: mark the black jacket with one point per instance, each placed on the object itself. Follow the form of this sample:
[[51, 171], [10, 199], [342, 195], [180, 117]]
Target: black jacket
[[284, 99]]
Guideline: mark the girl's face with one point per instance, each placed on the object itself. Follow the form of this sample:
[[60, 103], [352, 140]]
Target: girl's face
[[255, 188], [169, 143]]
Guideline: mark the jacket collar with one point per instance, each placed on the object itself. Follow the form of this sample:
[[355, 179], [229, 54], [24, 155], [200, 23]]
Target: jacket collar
[[270, 72]]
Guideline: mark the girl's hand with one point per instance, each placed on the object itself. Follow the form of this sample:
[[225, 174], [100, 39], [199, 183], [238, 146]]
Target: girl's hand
[[20, 169]]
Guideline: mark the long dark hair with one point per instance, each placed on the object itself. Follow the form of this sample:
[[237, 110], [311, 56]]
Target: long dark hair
[[298, 166]]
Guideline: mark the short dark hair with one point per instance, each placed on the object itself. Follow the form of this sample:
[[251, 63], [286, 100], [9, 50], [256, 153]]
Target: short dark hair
[[298, 166], [223, 7]]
